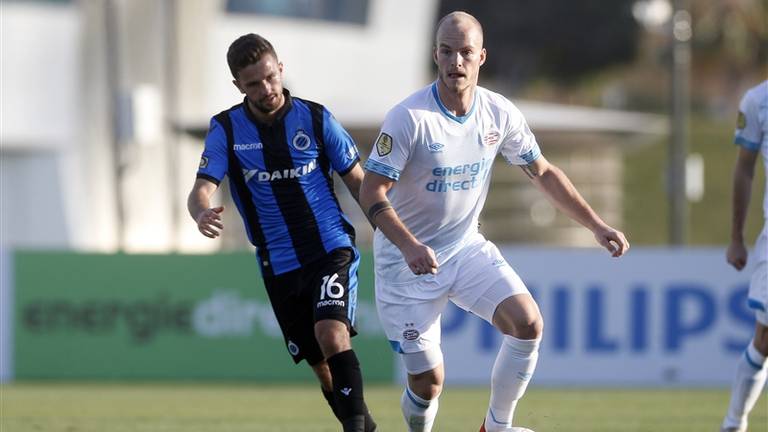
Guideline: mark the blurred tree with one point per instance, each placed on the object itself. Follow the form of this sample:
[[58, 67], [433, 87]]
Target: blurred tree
[[730, 52], [735, 29], [561, 40]]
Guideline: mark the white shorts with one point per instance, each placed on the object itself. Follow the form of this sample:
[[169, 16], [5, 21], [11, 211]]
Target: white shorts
[[758, 286], [476, 279]]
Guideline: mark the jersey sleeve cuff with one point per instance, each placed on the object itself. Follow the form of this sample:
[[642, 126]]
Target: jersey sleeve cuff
[[211, 179], [350, 167], [747, 144], [756, 304], [381, 169], [528, 157]]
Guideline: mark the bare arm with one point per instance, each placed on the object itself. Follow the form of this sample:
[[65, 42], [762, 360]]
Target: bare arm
[[199, 205], [558, 187], [743, 174], [373, 199], [353, 179]]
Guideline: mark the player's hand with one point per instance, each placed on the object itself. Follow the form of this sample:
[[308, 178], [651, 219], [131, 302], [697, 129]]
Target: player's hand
[[737, 255], [613, 240], [420, 258], [209, 221]]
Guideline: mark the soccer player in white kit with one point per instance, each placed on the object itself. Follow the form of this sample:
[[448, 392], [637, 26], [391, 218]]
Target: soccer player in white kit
[[426, 183], [752, 370]]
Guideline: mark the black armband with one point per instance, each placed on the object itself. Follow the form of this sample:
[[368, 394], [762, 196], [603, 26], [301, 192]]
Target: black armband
[[530, 171], [378, 208]]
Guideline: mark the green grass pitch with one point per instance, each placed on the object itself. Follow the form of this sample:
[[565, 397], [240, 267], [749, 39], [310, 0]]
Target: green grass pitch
[[191, 407]]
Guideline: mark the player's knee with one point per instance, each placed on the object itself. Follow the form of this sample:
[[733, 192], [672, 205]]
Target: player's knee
[[428, 391], [519, 316], [531, 327], [427, 385], [425, 372], [761, 339], [332, 336]]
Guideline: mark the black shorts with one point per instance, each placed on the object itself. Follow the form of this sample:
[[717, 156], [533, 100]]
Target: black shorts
[[324, 289]]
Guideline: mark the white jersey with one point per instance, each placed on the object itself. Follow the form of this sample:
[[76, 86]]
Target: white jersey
[[752, 128], [441, 165]]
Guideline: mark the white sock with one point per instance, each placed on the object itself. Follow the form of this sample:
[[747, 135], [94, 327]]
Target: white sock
[[419, 413], [512, 371], [751, 374]]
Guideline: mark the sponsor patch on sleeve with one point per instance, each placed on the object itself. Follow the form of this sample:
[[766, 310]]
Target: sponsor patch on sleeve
[[384, 144], [203, 162], [741, 122]]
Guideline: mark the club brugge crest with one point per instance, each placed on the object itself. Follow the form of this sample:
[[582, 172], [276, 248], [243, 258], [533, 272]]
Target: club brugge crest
[[384, 144], [301, 140], [293, 348]]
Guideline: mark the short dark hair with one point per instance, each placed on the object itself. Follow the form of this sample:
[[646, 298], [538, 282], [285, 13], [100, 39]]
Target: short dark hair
[[247, 50]]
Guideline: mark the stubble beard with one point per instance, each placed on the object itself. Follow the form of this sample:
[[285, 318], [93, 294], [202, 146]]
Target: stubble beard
[[266, 107]]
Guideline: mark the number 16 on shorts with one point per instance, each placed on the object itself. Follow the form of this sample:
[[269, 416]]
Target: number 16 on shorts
[[331, 292]]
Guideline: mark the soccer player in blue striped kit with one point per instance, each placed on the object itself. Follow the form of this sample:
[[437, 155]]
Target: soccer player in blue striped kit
[[279, 153]]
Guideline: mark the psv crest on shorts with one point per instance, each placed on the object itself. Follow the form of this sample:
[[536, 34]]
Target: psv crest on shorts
[[411, 334], [384, 144]]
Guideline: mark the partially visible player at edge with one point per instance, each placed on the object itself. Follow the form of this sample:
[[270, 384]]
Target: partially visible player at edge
[[279, 152], [752, 138], [425, 185]]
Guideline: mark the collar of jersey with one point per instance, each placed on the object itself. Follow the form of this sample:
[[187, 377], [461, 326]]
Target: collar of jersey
[[280, 114], [458, 119]]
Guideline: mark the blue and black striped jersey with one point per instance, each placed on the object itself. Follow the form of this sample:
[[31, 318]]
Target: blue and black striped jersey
[[281, 179]]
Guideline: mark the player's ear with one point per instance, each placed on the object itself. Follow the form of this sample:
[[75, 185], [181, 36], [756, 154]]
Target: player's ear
[[434, 54], [482, 56]]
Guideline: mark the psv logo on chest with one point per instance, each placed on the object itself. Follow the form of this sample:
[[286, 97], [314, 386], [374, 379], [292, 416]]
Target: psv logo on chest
[[491, 137]]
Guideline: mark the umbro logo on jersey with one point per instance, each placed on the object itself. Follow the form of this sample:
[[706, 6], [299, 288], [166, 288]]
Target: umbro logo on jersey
[[301, 140], [249, 146], [435, 147]]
